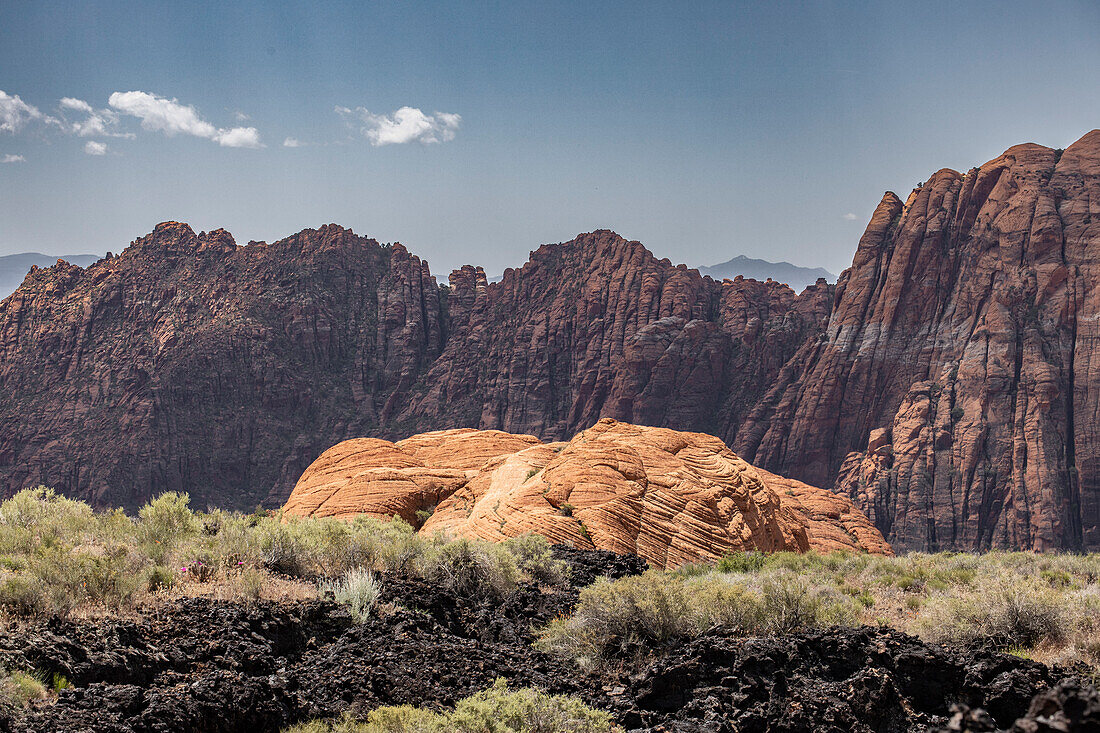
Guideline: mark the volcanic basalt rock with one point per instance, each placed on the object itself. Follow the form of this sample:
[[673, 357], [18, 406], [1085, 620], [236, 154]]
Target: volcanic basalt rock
[[1071, 706], [954, 396], [262, 666], [671, 497]]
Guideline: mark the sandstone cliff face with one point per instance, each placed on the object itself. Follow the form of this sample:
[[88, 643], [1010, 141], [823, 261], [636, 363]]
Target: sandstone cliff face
[[955, 396], [671, 497], [952, 397], [189, 363], [599, 327]]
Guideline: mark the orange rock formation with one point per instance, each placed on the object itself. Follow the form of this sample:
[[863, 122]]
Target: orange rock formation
[[672, 497]]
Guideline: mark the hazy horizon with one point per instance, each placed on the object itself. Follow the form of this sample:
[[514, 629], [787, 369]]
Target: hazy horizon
[[473, 134]]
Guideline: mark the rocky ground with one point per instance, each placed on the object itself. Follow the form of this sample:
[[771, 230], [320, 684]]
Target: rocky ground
[[205, 665]]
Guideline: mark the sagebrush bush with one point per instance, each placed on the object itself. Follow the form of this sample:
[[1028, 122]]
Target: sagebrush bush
[[1003, 612], [535, 557], [19, 688], [726, 602], [624, 620], [22, 595], [247, 584], [285, 552], [104, 577], [163, 522], [791, 602], [741, 562], [621, 619], [467, 567], [358, 590], [495, 710], [36, 518], [526, 710]]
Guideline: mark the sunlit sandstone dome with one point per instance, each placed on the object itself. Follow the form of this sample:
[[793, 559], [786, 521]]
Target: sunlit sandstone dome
[[671, 497]]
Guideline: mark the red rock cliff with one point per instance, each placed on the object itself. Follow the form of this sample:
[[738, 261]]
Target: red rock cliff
[[955, 396], [952, 397], [189, 363]]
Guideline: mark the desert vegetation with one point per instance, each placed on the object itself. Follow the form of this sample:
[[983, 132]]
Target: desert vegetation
[[61, 559], [58, 557], [495, 710], [1045, 607]]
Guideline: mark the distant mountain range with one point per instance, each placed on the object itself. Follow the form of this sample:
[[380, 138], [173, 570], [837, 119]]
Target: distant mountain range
[[797, 277], [13, 268]]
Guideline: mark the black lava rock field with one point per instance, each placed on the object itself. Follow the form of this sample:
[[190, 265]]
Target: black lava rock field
[[203, 665]]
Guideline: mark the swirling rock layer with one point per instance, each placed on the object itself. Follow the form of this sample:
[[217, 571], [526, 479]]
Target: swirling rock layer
[[668, 496]]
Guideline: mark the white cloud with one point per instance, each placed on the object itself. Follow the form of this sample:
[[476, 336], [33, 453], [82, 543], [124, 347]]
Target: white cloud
[[93, 148], [406, 125], [241, 117], [159, 114], [9, 158], [292, 142], [850, 217], [15, 113], [239, 137], [78, 104], [99, 122]]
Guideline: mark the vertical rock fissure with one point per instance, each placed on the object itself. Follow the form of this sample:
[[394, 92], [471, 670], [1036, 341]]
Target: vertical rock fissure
[[1073, 538]]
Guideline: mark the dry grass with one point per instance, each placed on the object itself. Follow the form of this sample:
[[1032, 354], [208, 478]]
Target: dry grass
[[58, 557]]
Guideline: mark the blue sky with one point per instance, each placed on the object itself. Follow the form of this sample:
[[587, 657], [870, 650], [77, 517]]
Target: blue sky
[[705, 130]]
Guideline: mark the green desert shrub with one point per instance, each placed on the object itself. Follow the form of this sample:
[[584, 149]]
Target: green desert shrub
[[247, 584], [19, 688], [792, 602], [104, 577], [467, 567], [625, 619], [159, 577], [621, 619], [1003, 612], [330, 547], [394, 545], [526, 710], [358, 590], [164, 522], [535, 558], [21, 595], [741, 562], [284, 551], [495, 710], [37, 518], [717, 600]]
